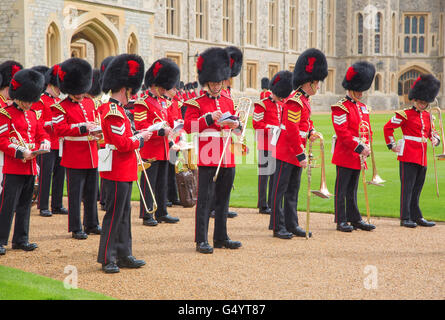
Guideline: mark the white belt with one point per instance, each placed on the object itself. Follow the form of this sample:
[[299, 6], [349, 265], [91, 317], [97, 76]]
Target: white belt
[[213, 134], [303, 134], [84, 138], [416, 139], [111, 147]]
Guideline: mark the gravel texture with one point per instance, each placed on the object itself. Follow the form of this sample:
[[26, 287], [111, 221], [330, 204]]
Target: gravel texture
[[389, 263]]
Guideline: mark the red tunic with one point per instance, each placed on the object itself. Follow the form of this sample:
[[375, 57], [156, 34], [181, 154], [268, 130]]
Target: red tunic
[[79, 149], [346, 117], [148, 111], [296, 126], [265, 94], [45, 116], [211, 140], [117, 132], [266, 115], [416, 129], [31, 131]]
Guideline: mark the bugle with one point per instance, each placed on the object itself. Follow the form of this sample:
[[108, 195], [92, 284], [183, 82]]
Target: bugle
[[323, 192], [364, 129]]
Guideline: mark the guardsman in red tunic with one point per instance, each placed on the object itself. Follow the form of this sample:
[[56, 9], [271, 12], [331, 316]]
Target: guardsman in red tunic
[[236, 64], [296, 129], [416, 127], [203, 117], [50, 169], [265, 88], [162, 76], [123, 77], [74, 121], [21, 135], [7, 70], [347, 115], [266, 122]]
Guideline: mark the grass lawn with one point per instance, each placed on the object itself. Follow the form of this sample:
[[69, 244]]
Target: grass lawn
[[19, 285], [384, 201]]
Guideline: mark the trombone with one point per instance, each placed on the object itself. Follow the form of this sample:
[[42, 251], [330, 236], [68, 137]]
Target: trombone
[[243, 111], [142, 166], [364, 129], [433, 130]]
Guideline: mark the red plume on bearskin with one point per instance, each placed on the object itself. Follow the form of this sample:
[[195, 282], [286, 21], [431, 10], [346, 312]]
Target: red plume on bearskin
[[8, 69], [75, 76], [215, 66], [124, 71], [426, 88], [163, 73], [236, 60], [311, 66], [359, 76], [27, 85], [281, 84]]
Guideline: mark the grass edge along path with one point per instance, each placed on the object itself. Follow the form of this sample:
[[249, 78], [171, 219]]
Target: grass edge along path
[[19, 285]]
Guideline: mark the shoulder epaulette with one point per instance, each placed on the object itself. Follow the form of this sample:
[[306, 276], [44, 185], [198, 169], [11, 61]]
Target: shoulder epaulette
[[193, 102], [114, 111], [180, 103], [142, 102], [2, 98], [5, 113], [58, 107], [297, 98], [402, 113], [97, 103], [261, 103], [341, 105]]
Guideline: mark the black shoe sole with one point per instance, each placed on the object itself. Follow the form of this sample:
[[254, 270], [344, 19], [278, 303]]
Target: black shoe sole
[[222, 246]]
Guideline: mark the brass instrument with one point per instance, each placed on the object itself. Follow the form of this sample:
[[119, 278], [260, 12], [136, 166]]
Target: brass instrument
[[363, 130], [323, 192], [141, 164], [239, 148], [433, 129], [185, 162], [309, 193], [376, 180], [244, 111], [20, 142]]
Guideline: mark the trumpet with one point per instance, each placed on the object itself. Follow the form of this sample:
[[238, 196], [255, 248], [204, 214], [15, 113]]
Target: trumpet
[[364, 129]]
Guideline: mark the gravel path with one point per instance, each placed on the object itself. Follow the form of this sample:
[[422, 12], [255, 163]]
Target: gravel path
[[389, 263]]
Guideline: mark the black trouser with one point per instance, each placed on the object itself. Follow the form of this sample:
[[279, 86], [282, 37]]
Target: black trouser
[[16, 197], [412, 179], [157, 176], [266, 169], [102, 192], [172, 193], [346, 208], [223, 187], [50, 170], [286, 185], [82, 185], [115, 239]]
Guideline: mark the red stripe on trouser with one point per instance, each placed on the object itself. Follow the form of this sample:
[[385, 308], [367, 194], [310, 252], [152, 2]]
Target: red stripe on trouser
[[401, 195], [68, 192], [3, 192], [275, 196], [111, 224], [336, 194]]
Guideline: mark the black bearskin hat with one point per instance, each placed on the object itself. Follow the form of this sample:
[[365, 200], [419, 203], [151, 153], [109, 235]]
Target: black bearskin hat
[[8, 69], [359, 76], [311, 66], [265, 83], [213, 66], [42, 70], [236, 60], [195, 85], [425, 88], [95, 87], [27, 85], [75, 76], [163, 73], [281, 84], [124, 71], [181, 85], [103, 67], [51, 75]]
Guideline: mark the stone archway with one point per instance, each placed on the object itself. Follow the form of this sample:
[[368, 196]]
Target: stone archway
[[406, 81], [94, 33], [53, 45]]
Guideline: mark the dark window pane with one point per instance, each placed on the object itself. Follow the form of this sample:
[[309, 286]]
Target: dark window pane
[[400, 89], [414, 26], [407, 25], [360, 23], [360, 44], [377, 44], [406, 45], [377, 83], [421, 45], [378, 21], [422, 25], [414, 45]]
